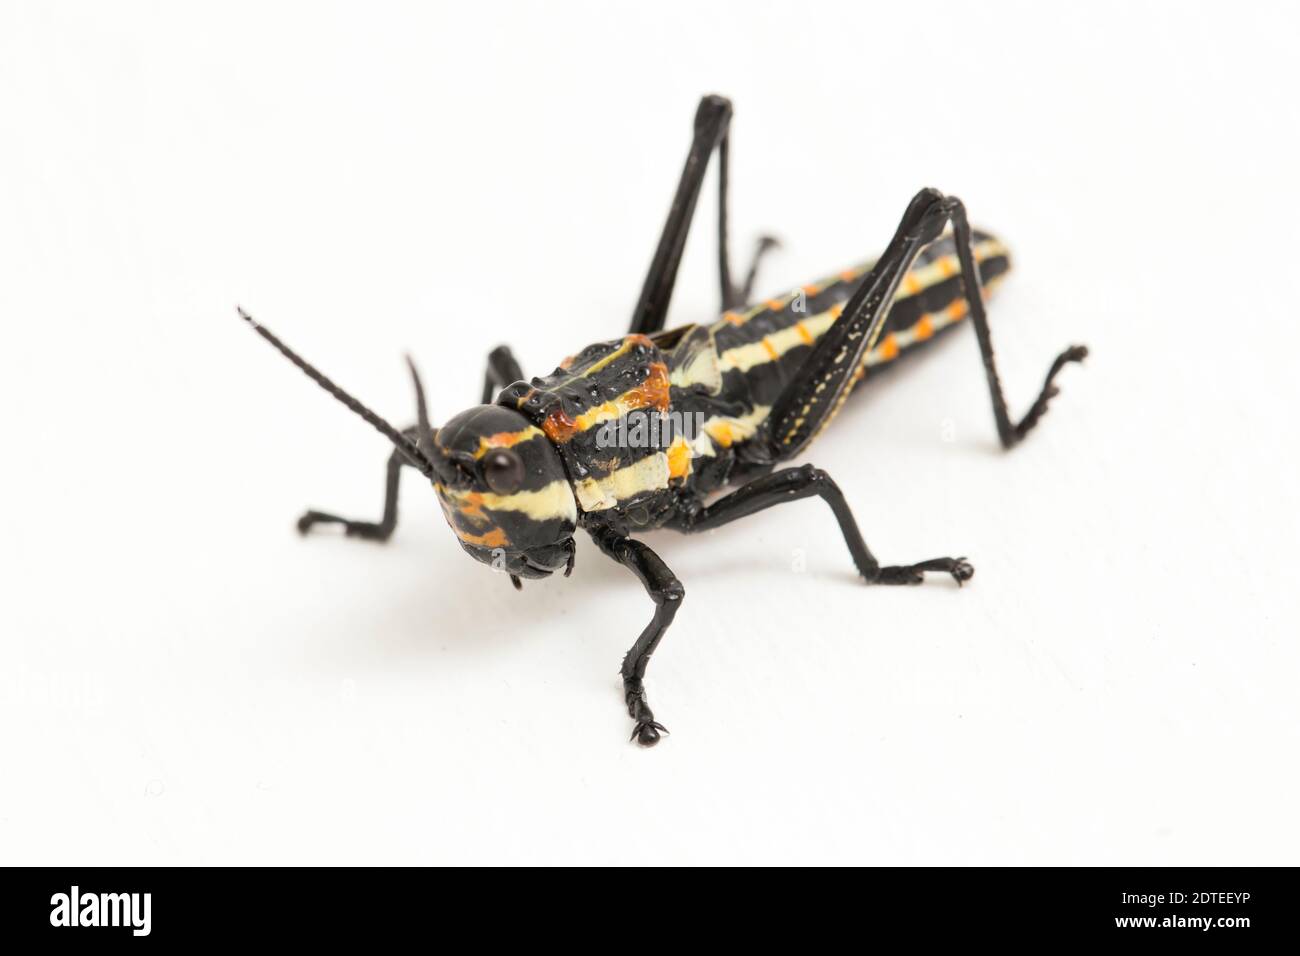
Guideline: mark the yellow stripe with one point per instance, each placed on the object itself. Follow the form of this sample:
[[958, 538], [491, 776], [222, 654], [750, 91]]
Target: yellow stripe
[[617, 353], [914, 282], [771, 348], [726, 429], [600, 494], [700, 369], [925, 327], [653, 473], [505, 439], [652, 392], [596, 366], [553, 501]]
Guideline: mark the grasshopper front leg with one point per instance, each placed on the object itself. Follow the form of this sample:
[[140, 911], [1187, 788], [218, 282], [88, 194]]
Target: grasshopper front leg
[[380, 530], [502, 370], [667, 593]]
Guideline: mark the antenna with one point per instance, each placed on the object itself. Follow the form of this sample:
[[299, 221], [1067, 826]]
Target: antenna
[[425, 432], [417, 455]]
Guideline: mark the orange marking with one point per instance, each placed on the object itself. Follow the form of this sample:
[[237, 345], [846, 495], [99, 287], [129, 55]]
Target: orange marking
[[924, 328], [654, 390], [560, 427], [946, 267], [721, 433], [812, 289], [860, 374], [733, 318], [848, 275], [502, 440], [679, 460], [837, 311], [804, 335], [496, 538], [911, 284], [471, 507], [956, 309], [888, 350], [568, 363], [776, 305], [771, 349]]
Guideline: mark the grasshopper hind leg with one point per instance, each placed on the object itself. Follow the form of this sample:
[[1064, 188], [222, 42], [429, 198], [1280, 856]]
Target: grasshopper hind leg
[[712, 134], [814, 398]]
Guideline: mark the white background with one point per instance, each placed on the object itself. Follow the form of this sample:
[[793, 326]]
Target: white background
[[185, 680]]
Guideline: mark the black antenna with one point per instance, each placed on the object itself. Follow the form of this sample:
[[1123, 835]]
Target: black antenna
[[410, 449], [424, 430]]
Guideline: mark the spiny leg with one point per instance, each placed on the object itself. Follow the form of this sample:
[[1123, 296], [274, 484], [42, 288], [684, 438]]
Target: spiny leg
[[380, 530], [1010, 434], [712, 131], [824, 382], [667, 593], [502, 370], [792, 484]]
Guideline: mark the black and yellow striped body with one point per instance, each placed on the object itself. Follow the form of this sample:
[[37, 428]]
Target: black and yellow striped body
[[723, 377], [763, 349]]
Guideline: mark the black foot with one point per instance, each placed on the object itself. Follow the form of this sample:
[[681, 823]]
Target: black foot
[[368, 530], [960, 569], [647, 729], [646, 732], [1075, 353]]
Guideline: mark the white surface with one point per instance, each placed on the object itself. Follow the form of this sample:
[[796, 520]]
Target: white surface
[[184, 680]]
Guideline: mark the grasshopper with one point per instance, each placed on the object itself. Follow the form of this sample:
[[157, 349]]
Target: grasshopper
[[519, 473]]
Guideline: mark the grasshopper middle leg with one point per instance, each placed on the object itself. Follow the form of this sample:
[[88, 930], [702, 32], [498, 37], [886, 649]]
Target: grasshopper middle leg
[[792, 484], [502, 370]]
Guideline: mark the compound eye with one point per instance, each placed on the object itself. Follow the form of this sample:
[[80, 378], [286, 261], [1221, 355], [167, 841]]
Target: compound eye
[[503, 470]]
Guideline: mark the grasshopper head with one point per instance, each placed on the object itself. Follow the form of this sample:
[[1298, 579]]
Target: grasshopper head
[[504, 491], [498, 478]]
